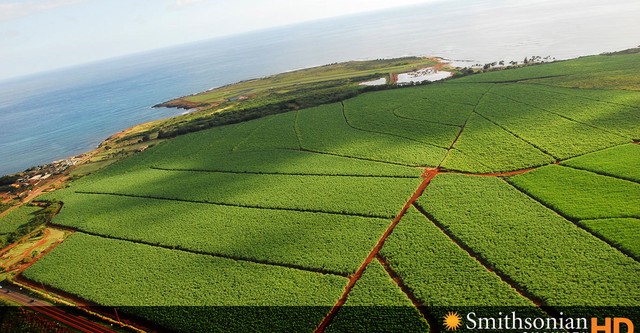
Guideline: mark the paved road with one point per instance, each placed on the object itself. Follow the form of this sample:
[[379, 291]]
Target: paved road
[[56, 313]]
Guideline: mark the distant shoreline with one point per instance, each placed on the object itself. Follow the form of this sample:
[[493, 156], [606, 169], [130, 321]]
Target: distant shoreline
[[66, 165]]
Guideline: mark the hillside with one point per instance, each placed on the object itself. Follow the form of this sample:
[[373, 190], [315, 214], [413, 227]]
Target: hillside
[[516, 189]]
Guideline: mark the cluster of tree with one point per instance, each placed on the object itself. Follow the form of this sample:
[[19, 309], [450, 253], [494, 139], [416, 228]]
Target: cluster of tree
[[6, 181], [39, 219]]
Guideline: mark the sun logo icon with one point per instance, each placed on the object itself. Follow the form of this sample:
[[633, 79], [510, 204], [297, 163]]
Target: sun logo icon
[[452, 321]]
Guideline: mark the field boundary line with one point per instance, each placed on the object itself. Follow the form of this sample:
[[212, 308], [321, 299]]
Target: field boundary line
[[281, 173], [428, 175], [431, 320], [450, 102], [587, 89], [253, 131], [484, 262], [346, 120], [599, 173], [395, 114], [595, 151], [296, 129], [306, 150], [464, 125], [212, 254], [518, 136], [562, 116], [576, 222], [236, 205], [521, 80]]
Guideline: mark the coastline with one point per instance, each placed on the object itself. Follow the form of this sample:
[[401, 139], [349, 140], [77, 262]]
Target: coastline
[[141, 136]]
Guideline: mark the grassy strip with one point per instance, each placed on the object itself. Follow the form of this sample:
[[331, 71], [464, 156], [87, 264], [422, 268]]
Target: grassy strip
[[613, 118], [547, 255], [325, 129], [438, 272], [621, 162], [622, 231], [313, 240], [352, 71], [368, 112], [14, 219], [581, 194], [556, 135], [191, 292], [585, 72], [261, 146], [376, 304], [307, 193], [24, 220], [484, 147]]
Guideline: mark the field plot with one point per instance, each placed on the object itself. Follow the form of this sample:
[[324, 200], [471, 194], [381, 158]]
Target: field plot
[[440, 273], [603, 114], [325, 129], [585, 72], [14, 219], [127, 274], [484, 147], [622, 162], [383, 212], [338, 195], [363, 113], [553, 134], [376, 304], [316, 241], [581, 194], [545, 254], [622, 231]]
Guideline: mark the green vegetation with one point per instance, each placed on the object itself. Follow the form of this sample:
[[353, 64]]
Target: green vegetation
[[127, 274], [484, 147], [375, 304], [553, 134], [325, 242], [439, 272], [581, 195], [446, 103], [547, 255], [280, 93], [23, 220], [257, 223], [269, 145], [622, 232], [13, 220], [368, 113], [596, 110], [622, 162], [324, 129], [610, 72], [339, 194], [349, 72]]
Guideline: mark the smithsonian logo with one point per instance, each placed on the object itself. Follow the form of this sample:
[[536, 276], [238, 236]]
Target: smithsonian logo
[[512, 322]]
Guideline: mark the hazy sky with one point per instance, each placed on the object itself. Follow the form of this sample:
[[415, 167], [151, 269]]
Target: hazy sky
[[38, 35]]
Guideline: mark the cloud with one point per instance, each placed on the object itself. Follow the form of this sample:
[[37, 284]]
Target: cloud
[[13, 10], [184, 3]]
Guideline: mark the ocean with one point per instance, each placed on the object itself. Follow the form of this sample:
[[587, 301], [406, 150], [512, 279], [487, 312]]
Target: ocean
[[62, 113]]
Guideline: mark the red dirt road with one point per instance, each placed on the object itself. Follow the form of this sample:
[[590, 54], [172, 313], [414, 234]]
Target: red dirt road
[[79, 323], [428, 175]]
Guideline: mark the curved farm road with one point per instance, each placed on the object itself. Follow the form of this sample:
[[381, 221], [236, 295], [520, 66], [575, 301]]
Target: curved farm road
[[21, 254]]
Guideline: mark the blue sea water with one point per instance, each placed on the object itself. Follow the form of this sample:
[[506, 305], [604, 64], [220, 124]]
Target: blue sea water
[[59, 114]]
